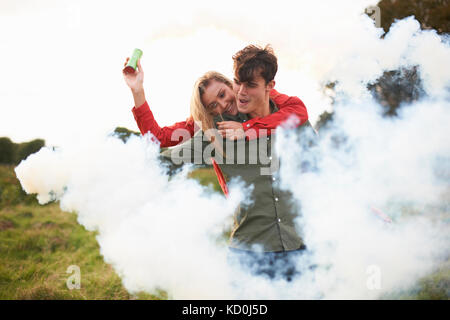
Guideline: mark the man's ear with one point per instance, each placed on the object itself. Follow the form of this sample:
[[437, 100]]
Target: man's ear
[[270, 85]]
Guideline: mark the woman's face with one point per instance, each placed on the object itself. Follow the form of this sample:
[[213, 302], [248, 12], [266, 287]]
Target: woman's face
[[219, 98]]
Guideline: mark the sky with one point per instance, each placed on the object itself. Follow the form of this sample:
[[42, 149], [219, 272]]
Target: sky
[[62, 79]]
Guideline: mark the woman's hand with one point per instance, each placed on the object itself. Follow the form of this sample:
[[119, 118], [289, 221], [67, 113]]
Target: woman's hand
[[231, 130], [135, 80]]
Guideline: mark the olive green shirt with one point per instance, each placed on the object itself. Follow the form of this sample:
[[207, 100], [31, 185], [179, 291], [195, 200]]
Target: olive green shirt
[[269, 220]]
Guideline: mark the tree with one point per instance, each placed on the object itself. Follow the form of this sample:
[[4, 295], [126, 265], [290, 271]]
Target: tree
[[432, 14], [124, 133], [396, 87], [7, 150], [325, 120], [27, 148]]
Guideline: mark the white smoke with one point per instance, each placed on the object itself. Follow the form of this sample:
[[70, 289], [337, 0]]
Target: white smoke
[[364, 162], [156, 232], [162, 233]]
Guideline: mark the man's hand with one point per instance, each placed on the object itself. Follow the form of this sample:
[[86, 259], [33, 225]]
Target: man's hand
[[135, 80], [231, 130]]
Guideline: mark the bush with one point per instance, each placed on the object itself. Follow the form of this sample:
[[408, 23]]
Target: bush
[[13, 153], [124, 133], [25, 149], [7, 151]]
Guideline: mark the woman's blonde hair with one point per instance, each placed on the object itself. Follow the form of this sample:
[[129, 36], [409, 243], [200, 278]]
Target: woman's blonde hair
[[199, 113]]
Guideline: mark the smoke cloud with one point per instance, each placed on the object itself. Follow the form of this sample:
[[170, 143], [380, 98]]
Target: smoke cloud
[[156, 232], [364, 164]]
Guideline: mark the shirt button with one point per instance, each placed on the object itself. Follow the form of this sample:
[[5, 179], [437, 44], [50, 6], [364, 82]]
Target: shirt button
[[276, 199]]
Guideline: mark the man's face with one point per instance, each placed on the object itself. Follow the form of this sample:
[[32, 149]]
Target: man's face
[[219, 98], [252, 94]]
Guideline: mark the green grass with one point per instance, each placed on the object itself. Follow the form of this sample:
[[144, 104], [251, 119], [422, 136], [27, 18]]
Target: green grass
[[206, 177], [38, 244]]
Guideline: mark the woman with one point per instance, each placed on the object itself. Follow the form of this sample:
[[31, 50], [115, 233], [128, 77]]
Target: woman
[[224, 112]]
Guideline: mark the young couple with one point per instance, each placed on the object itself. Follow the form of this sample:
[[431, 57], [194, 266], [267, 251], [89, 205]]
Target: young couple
[[245, 111]]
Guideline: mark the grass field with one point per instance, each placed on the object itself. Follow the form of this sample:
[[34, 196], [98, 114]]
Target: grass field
[[38, 244]]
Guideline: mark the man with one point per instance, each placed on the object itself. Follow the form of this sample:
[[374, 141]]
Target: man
[[254, 73]]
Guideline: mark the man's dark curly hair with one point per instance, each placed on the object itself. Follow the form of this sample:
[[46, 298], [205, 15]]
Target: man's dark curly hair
[[254, 59]]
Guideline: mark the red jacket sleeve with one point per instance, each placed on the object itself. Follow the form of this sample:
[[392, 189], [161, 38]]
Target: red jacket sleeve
[[288, 106], [146, 122]]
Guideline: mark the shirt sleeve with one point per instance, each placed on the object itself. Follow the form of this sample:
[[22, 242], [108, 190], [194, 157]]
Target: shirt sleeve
[[167, 136], [288, 107]]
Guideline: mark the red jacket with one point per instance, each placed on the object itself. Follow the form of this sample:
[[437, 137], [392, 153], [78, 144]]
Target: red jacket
[[287, 106]]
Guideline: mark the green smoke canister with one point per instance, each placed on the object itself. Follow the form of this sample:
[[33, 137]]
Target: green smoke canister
[[132, 63]]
